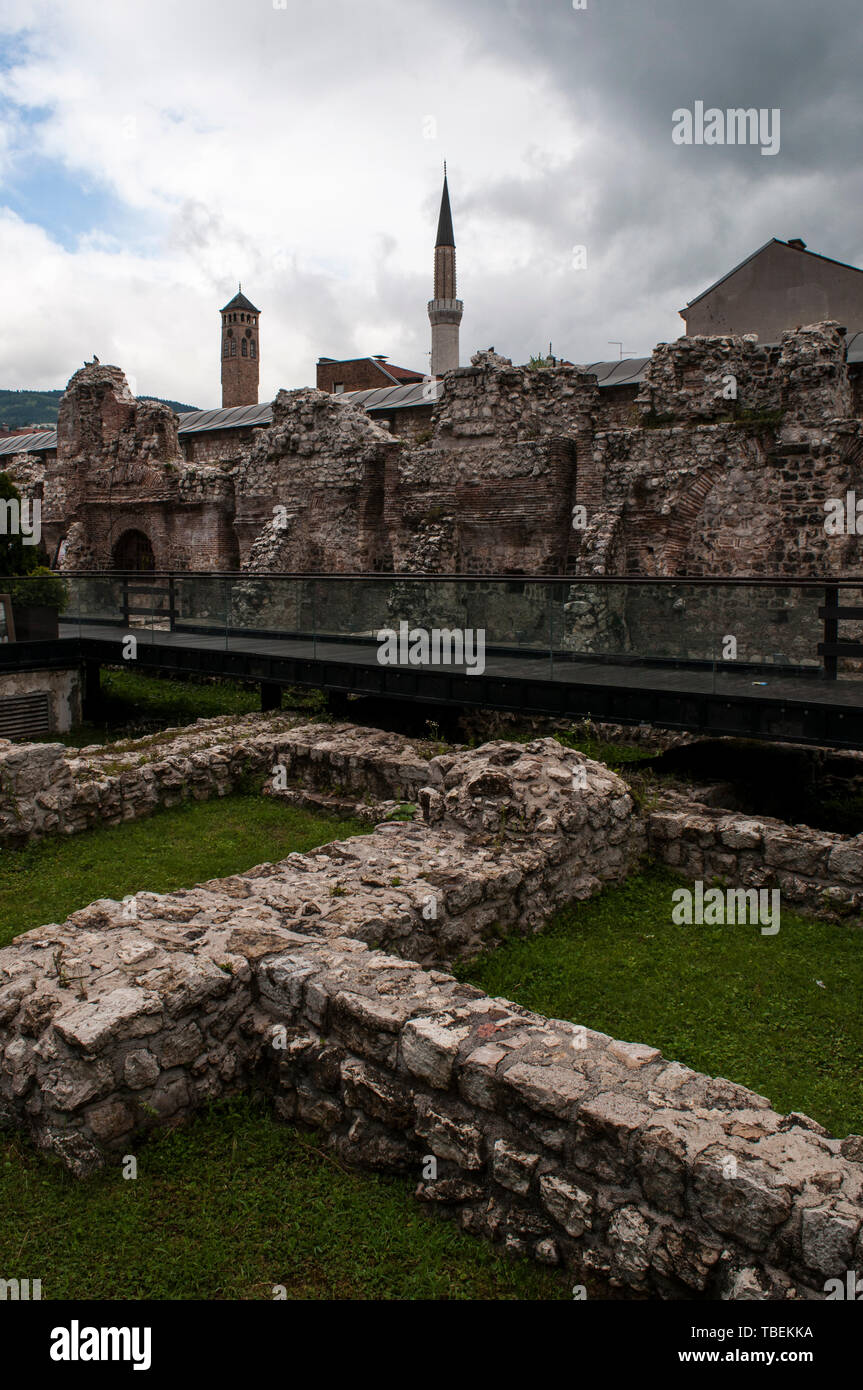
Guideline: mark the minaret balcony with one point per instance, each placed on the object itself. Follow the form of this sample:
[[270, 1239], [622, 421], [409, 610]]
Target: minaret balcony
[[445, 310]]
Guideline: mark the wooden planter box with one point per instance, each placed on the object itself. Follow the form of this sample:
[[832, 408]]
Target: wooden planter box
[[35, 622]]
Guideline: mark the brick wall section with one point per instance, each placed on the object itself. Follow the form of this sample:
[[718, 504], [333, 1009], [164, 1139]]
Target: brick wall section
[[359, 374], [119, 467]]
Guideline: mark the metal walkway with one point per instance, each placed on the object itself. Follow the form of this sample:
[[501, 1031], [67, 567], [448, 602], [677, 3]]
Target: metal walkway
[[662, 662]]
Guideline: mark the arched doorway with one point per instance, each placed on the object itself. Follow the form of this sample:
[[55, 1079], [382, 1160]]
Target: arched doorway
[[133, 551]]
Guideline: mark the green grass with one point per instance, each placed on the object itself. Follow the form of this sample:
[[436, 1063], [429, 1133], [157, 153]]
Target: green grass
[[231, 1205], [173, 848], [724, 1000], [133, 704], [614, 755], [235, 1202]]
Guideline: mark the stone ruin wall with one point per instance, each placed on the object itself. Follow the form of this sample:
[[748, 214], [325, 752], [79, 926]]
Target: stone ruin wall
[[49, 789], [692, 484], [675, 479], [556, 1141], [816, 871]]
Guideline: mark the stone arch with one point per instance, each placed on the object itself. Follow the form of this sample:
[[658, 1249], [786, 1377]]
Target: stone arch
[[660, 546], [719, 520], [133, 550]]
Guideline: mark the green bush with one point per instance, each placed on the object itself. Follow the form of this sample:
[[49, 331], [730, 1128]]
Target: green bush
[[41, 588]]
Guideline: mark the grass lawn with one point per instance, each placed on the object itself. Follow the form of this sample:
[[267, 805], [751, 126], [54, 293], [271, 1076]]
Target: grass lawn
[[231, 1205], [724, 1000], [173, 848], [132, 704], [615, 755], [235, 1202]]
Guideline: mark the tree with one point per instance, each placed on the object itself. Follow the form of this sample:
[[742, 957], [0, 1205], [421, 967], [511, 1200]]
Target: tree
[[15, 556]]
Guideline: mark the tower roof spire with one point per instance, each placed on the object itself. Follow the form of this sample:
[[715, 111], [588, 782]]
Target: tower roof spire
[[445, 235]]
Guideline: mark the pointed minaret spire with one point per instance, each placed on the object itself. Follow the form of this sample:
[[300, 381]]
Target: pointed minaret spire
[[444, 225], [444, 310]]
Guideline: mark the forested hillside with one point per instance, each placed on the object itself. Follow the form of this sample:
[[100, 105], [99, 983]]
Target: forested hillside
[[21, 408]]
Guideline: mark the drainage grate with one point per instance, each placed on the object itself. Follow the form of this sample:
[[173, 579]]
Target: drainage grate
[[25, 716]]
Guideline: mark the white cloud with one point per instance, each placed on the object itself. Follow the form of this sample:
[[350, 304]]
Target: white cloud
[[287, 148]]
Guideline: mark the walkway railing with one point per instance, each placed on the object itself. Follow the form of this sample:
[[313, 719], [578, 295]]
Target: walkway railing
[[764, 627]]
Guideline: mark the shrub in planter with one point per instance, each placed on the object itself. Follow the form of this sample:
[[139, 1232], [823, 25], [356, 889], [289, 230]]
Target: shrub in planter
[[38, 599]]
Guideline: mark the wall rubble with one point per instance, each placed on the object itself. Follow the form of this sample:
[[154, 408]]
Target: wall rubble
[[561, 1143], [681, 479], [816, 871], [51, 789]]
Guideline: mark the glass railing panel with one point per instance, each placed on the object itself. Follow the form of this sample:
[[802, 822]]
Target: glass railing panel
[[347, 613], [270, 613], [199, 605], [724, 636], [96, 601]]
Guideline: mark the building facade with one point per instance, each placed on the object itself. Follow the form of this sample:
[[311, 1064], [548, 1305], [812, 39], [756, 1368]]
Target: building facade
[[338, 375], [780, 287]]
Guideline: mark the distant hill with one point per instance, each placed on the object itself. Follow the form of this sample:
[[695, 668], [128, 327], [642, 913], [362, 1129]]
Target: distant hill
[[20, 408]]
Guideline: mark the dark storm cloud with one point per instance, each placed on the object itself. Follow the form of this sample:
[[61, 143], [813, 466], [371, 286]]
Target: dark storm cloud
[[662, 219], [314, 181]]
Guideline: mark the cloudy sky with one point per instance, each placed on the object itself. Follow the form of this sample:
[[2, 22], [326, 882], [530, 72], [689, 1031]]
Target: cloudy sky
[[154, 154]]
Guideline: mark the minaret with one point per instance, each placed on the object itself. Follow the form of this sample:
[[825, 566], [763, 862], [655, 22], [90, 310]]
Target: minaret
[[240, 351], [445, 310]]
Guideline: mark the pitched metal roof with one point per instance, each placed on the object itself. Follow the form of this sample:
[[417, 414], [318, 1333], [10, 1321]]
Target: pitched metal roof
[[627, 372], [29, 443], [854, 351], [240, 301], [395, 397], [232, 418]]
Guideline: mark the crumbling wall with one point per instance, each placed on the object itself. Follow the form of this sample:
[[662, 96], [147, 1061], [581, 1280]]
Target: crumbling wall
[[49, 789], [120, 467], [323, 463], [721, 465], [713, 378], [492, 491], [557, 1141], [815, 871]]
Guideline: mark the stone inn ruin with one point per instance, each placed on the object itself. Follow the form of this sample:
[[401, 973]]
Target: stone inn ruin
[[719, 459], [322, 982]]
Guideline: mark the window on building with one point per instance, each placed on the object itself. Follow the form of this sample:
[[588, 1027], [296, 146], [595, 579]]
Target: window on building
[[245, 347], [252, 349], [338, 388], [233, 347]]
